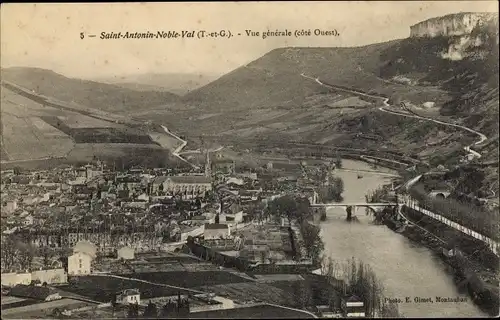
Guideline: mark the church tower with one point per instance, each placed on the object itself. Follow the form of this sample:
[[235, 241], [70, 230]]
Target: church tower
[[208, 165]]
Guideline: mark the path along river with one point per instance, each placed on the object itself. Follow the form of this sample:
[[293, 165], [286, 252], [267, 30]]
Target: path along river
[[404, 268]]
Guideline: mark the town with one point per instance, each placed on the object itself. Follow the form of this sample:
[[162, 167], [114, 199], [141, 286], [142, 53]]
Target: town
[[98, 240], [317, 168]]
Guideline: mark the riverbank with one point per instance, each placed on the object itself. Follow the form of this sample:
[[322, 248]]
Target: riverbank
[[405, 269], [470, 277], [479, 278]]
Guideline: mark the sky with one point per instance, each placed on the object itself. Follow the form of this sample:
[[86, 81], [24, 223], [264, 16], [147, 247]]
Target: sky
[[48, 35]]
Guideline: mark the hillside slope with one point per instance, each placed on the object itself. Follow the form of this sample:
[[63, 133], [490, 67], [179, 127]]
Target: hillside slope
[[274, 79], [177, 83], [41, 132], [448, 78], [92, 94]]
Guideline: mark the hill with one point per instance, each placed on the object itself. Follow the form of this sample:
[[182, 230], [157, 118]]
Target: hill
[[270, 98], [177, 83], [40, 132], [92, 94], [448, 78]]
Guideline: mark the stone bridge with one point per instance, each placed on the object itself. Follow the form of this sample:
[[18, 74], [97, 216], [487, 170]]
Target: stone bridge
[[351, 207]]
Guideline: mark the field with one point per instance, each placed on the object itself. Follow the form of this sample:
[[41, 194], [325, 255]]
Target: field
[[34, 311], [24, 134], [254, 312], [253, 292], [103, 288], [78, 121], [35, 130], [129, 153], [31, 138], [191, 279], [92, 94]]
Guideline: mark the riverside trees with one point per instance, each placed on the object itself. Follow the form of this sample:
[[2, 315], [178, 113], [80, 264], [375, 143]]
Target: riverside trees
[[293, 209], [473, 217], [359, 279], [333, 190], [297, 209]]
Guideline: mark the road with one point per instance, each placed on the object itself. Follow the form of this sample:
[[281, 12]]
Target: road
[[178, 151], [179, 148], [385, 101], [482, 138]]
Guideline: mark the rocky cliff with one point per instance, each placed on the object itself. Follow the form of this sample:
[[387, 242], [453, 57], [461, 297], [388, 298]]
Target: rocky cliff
[[451, 25]]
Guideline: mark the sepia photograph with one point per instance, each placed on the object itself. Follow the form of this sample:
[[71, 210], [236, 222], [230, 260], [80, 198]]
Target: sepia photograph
[[250, 160]]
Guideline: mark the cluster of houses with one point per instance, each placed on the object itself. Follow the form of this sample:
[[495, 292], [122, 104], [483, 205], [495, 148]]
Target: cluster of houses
[[140, 209]]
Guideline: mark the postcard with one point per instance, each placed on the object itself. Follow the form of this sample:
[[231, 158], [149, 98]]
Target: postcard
[[250, 160]]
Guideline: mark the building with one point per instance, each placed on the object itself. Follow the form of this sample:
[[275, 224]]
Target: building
[[86, 247], [216, 231], [125, 253], [128, 296], [232, 219], [353, 307], [188, 185], [224, 166], [79, 263], [35, 292]]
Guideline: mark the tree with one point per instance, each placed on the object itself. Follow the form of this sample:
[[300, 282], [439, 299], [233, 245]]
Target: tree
[[8, 253], [362, 282], [333, 191], [151, 310], [46, 255], [133, 311], [290, 208], [312, 241], [25, 254]]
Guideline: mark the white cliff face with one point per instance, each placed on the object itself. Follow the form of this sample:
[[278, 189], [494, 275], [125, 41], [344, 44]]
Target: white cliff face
[[461, 29], [450, 25]]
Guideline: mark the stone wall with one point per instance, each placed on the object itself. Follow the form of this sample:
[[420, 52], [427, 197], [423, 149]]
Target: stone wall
[[11, 279], [50, 276]]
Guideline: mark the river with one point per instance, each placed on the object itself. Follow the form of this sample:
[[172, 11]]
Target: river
[[404, 268]]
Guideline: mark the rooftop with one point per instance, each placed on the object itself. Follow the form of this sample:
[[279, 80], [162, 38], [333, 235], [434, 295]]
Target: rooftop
[[190, 179], [215, 226], [129, 292]]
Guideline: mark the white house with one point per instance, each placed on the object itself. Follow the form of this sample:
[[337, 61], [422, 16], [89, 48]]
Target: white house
[[129, 296], [79, 263]]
